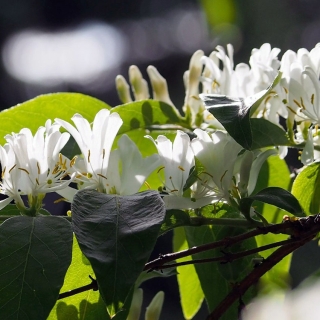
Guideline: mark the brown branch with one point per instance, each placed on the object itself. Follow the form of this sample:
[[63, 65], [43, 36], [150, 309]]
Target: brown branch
[[93, 285], [286, 227], [228, 256], [239, 290]]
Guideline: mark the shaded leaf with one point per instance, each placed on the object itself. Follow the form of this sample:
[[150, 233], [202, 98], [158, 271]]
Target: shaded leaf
[[267, 134], [175, 218], [35, 253], [276, 196], [306, 187], [117, 235], [235, 115]]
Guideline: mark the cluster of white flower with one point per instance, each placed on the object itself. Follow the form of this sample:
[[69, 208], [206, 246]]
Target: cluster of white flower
[[34, 166]]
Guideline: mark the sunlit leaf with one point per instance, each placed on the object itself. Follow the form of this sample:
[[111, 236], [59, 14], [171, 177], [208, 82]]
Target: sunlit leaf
[[34, 113], [86, 305], [145, 114], [306, 188], [191, 294]]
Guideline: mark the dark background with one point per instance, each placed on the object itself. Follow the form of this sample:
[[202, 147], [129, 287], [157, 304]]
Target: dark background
[[164, 33]]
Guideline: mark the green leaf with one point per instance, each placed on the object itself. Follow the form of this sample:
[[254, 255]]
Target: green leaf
[[274, 172], [267, 134], [235, 115], [86, 305], [214, 285], [117, 235], [191, 294], [145, 114], [275, 196], [34, 113], [173, 219], [306, 187], [35, 255]]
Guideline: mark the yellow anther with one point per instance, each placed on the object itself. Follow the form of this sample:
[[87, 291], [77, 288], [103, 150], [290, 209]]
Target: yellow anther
[[103, 153], [223, 175], [89, 175], [160, 169], [297, 103], [37, 181], [10, 169], [101, 175], [73, 161], [312, 98], [25, 170], [181, 168], [88, 156], [38, 166]]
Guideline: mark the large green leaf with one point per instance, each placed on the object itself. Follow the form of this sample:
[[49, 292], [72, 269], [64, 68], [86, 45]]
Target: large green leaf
[[274, 173], [86, 305], [117, 235], [191, 294], [306, 188], [146, 114], [35, 253], [267, 134], [34, 113], [213, 281], [275, 196]]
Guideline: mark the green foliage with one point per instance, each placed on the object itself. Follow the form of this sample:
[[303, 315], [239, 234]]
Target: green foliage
[[274, 172], [145, 114], [306, 188], [35, 255], [235, 115], [117, 235], [275, 196], [86, 305], [49, 106], [191, 293], [216, 280]]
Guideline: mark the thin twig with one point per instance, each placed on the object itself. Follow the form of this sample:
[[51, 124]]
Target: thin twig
[[285, 227], [93, 285], [240, 288], [228, 256]]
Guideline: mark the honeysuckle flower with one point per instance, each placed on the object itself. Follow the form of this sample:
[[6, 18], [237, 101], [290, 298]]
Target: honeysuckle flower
[[10, 177], [218, 154], [177, 160], [193, 106], [38, 166], [138, 84], [95, 143], [134, 168], [159, 85], [300, 82], [247, 168]]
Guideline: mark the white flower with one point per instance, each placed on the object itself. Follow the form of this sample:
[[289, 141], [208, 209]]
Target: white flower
[[218, 155], [177, 160], [33, 165], [134, 168], [95, 144], [300, 304], [10, 177]]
